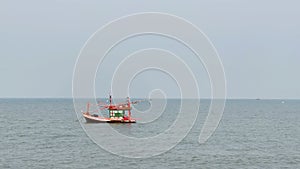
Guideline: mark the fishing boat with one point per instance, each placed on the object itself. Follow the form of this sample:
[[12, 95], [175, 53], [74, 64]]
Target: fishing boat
[[118, 113]]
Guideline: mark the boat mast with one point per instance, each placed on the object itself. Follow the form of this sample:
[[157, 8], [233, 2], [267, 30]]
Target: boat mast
[[110, 100], [88, 107], [128, 103]]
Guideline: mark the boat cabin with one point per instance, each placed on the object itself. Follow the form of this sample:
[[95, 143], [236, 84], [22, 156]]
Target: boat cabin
[[118, 111]]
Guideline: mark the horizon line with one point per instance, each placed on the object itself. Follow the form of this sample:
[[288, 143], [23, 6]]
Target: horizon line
[[230, 98]]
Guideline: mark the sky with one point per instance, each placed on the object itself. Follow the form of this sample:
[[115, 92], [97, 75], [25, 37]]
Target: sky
[[257, 41]]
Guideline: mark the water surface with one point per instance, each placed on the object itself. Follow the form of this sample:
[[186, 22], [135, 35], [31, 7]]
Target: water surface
[[45, 133]]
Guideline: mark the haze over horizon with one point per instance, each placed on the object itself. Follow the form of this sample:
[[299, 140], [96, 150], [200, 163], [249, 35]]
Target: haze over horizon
[[257, 43]]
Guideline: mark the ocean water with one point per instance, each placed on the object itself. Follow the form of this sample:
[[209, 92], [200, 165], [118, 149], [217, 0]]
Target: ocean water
[[45, 133]]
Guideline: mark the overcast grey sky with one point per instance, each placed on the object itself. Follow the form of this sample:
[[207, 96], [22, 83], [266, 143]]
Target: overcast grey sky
[[258, 42]]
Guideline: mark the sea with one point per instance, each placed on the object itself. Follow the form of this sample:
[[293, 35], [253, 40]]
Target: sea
[[46, 133]]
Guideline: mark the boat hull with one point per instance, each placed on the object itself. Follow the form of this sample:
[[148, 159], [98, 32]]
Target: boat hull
[[92, 119]]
